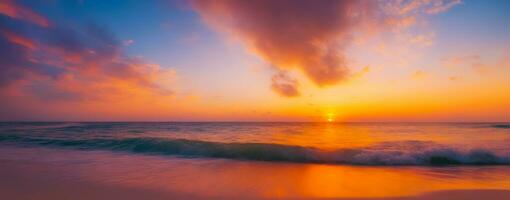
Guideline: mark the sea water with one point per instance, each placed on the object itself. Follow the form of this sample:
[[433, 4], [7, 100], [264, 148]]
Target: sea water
[[269, 160]]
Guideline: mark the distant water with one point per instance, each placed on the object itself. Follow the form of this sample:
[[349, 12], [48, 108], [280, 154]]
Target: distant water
[[335, 143], [340, 143]]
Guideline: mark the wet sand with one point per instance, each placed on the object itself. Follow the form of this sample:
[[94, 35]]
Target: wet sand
[[40, 173], [18, 183]]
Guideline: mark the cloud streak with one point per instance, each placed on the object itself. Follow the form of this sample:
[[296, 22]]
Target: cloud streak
[[413, 7], [14, 10]]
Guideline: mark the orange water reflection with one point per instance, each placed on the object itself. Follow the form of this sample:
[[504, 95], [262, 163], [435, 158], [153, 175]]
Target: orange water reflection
[[241, 179], [350, 135]]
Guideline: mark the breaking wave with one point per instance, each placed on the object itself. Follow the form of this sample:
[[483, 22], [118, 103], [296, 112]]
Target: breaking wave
[[374, 155]]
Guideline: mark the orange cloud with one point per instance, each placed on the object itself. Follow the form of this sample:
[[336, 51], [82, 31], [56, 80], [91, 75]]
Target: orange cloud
[[423, 39], [305, 35], [311, 36], [419, 74], [453, 78], [363, 72]]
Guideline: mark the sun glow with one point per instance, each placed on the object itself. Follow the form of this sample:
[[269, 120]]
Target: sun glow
[[330, 117]]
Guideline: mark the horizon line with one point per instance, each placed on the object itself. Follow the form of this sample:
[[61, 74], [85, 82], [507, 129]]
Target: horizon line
[[233, 121]]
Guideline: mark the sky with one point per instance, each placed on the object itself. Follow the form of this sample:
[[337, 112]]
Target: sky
[[255, 60]]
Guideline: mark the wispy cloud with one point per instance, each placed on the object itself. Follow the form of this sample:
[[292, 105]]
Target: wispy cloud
[[128, 42], [473, 61], [414, 7], [419, 75]]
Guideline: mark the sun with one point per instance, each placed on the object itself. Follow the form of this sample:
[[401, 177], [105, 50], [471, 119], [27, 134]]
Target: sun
[[331, 117]]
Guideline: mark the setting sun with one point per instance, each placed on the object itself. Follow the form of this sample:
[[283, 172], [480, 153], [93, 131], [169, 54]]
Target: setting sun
[[330, 117]]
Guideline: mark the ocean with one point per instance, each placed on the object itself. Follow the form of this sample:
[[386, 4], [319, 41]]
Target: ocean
[[248, 160]]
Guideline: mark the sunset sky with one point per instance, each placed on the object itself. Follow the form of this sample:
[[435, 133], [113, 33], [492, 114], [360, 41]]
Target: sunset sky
[[255, 60]]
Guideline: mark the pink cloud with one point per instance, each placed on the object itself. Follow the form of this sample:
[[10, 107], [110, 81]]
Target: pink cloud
[[285, 85], [473, 61], [12, 9], [76, 64]]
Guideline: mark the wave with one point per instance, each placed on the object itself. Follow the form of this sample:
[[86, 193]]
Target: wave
[[501, 126], [374, 155], [36, 125]]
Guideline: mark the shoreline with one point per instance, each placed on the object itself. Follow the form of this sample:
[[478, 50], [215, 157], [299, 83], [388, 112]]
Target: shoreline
[[21, 184], [41, 173]]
